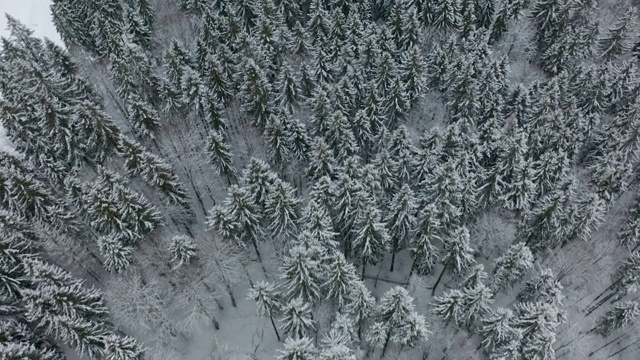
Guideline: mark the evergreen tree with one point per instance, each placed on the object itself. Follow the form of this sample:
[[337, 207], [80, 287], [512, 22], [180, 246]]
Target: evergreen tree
[[297, 318], [630, 234], [401, 220], [457, 254], [287, 86], [266, 297], [498, 330], [282, 210], [544, 288], [277, 139], [255, 93], [153, 170], [220, 155], [371, 238], [394, 313], [301, 274], [628, 275], [117, 255], [361, 304], [444, 14], [618, 39], [142, 117], [298, 349], [621, 314], [341, 275], [512, 266], [183, 250]]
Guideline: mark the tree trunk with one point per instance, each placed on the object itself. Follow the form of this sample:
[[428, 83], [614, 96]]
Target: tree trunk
[[386, 343], [393, 260], [433, 291], [275, 328], [233, 299]]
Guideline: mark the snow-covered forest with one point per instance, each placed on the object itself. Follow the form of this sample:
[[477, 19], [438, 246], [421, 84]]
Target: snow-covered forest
[[330, 180]]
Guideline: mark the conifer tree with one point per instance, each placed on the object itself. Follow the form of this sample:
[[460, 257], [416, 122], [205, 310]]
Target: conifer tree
[[117, 255], [544, 288], [512, 266], [255, 93], [296, 316], [618, 39], [361, 304], [457, 254], [277, 139], [628, 275], [258, 178], [444, 14], [266, 297], [395, 310], [621, 314], [282, 209], [371, 238], [142, 116], [298, 349], [153, 170], [220, 155], [341, 275], [301, 274], [401, 220], [498, 331], [183, 250]]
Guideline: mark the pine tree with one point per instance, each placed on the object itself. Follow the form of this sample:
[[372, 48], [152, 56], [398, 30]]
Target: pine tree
[[183, 250], [301, 274], [444, 14], [498, 330], [297, 318], [341, 275], [457, 254], [395, 311], [220, 155], [282, 210], [278, 140], [450, 307], [287, 87], [117, 255], [255, 93], [512, 266], [136, 27], [371, 238], [618, 39], [630, 234], [538, 322], [401, 220], [360, 305], [298, 349], [142, 117], [621, 314], [628, 275], [267, 299], [153, 170], [543, 288]]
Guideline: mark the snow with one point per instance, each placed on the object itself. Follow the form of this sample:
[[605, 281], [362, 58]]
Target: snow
[[33, 13]]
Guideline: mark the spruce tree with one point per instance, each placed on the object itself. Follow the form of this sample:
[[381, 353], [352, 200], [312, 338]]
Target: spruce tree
[[371, 237], [117, 255], [361, 304], [267, 299], [401, 220], [296, 316], [298, 348], [628, 275], [512, 266], [498, 330], [282, 210], [301, 274], [220, 155], [183, 249], [341, 275], [618, 39], [620, 315], [456, 255]]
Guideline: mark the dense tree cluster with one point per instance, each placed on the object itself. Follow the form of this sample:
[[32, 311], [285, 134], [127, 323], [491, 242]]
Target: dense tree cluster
[[323, 141]]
